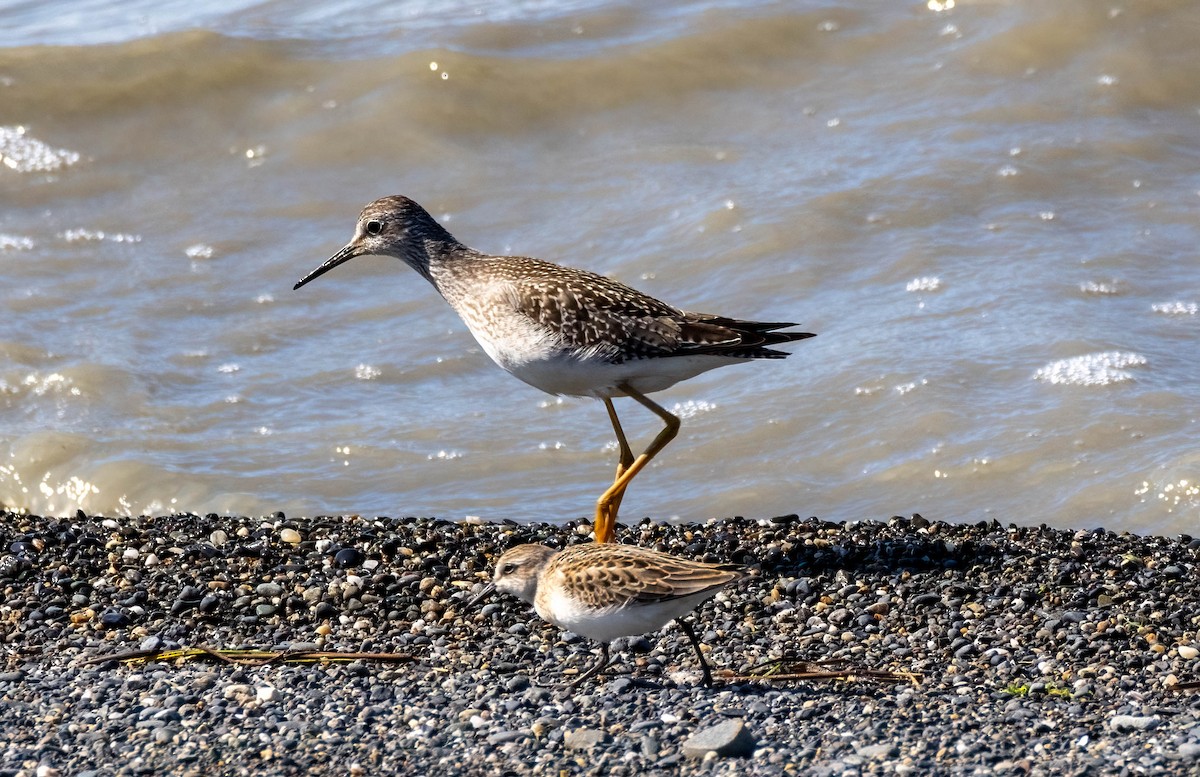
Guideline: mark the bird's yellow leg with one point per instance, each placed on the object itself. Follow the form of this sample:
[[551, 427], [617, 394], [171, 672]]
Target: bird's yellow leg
[[606, 522], [606, 505]]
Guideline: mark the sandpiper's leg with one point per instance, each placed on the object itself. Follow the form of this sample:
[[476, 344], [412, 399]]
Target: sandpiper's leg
[[605, 524], [606, 506], [687, 629], [595, 670]]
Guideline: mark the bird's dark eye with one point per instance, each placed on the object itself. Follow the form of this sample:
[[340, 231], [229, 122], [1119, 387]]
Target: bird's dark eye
[[374, 227], [508, 569]]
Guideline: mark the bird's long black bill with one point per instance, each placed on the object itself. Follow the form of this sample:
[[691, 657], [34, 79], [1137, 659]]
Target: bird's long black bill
[[487, 591], [345, 255]]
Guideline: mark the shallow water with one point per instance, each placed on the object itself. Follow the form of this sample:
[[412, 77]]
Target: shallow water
[[988, 213]]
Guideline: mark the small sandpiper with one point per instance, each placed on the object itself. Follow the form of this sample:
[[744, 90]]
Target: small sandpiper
[[605, 591], [565, 331]]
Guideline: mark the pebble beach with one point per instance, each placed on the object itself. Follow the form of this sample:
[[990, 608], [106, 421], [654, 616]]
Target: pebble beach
[[962, 648]]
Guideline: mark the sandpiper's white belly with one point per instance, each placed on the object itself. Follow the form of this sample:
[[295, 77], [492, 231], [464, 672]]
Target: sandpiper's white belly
[[536, 356], [606, 624], [595, 378]]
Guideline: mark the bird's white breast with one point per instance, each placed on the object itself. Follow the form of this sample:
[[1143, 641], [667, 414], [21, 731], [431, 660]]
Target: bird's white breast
[[607, 624]]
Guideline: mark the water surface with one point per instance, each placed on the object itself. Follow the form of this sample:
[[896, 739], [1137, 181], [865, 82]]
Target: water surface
[[988, 213]]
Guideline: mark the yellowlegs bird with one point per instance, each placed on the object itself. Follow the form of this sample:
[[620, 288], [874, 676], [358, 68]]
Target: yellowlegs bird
[[562, 330], [605, 591]]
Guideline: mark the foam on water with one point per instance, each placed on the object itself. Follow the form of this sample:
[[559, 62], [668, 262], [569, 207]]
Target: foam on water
[[15, 243], [26, 154], [692, 408], [1181, 494], [1101, 288], [1176, 308], [1093, 369], [83, 235], [926, 283]]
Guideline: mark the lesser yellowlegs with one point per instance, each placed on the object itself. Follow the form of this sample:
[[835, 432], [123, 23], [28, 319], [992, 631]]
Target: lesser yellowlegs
[[565, 331]]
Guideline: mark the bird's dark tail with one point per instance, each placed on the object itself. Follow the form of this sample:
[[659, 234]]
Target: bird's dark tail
[[757, 337]]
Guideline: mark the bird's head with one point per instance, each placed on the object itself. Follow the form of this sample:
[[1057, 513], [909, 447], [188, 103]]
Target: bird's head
[[517, 572], [391, 226]]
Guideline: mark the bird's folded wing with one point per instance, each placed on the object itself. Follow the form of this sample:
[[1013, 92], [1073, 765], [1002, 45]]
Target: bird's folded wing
[[645, 581], [622, 322]]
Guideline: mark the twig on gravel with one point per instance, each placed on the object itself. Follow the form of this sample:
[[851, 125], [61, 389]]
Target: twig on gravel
[[246, 657], [784, 670]]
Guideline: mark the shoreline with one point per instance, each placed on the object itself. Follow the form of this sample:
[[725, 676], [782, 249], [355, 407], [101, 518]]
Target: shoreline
[[1031, 650]]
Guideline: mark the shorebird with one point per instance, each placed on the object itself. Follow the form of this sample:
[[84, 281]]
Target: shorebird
[[604, 590], [565, 331]]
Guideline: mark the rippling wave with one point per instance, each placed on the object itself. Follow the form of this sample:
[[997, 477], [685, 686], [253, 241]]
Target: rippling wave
[[986, 210]]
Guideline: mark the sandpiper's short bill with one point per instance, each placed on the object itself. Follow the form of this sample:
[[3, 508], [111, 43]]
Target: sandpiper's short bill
[[604, 591], [565, 331]]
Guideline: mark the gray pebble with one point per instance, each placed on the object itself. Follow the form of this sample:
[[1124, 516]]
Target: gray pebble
[[727, 738], [881, 750], [1189, 751], [584, 738], [1133, 722], [501, 737]]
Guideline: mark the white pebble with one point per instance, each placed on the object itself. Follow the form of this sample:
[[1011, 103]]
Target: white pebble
[[237, 690]]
